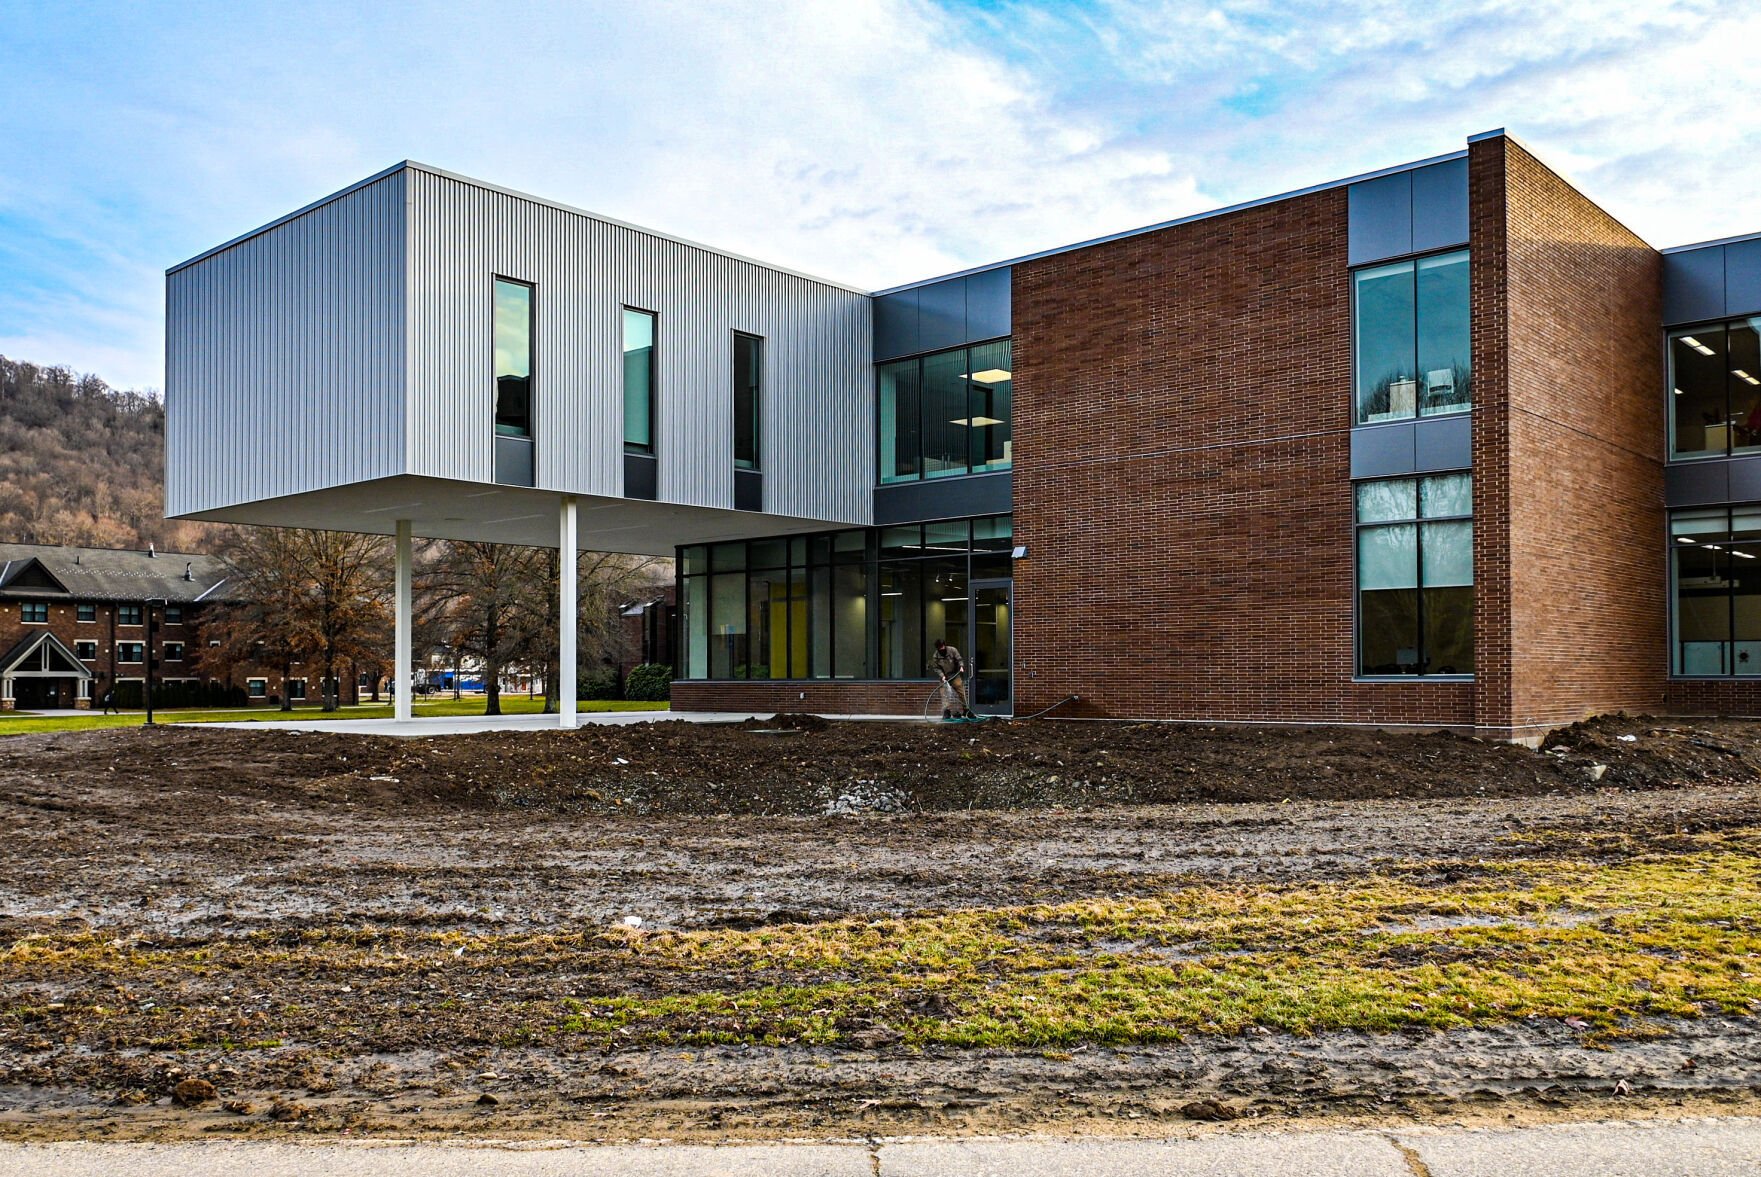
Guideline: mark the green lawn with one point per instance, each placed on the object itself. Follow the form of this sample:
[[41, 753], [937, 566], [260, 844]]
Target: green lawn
[[17, 724]]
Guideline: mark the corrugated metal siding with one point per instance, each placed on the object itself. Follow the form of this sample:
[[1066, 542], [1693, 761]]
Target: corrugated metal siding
[[818, 410], [284, 356]]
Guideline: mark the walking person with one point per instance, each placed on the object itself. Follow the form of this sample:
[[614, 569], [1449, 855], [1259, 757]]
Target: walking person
[[951, 667], [109, 702]]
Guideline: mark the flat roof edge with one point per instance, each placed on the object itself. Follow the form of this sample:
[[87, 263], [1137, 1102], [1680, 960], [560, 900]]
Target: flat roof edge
[[631, 226], [1258, 202], [1737, 240], [414, 166], [294, 215]]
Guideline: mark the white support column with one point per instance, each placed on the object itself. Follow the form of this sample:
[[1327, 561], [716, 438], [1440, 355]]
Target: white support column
[[403, 689], [566, 620]]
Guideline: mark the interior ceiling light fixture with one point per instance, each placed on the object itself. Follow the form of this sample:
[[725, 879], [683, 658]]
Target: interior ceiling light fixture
[[1682, 539], [1744, 555], [992, 375], [975, 422], [1696, 345], [1744, 375]]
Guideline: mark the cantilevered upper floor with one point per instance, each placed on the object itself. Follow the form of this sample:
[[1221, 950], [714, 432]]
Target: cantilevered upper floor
[[427, 347]]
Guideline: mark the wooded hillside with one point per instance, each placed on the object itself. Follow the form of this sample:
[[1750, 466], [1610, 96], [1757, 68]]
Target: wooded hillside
[[83, 463]]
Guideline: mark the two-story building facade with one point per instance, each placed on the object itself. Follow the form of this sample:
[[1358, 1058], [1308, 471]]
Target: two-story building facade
[[1445, 444]]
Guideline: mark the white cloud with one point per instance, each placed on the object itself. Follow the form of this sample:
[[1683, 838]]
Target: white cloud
[[873, 141]]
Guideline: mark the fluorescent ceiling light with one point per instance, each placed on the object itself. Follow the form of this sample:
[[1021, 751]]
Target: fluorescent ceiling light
[[892, 594], [1744, 375], [1682, 539], [953, 598], [1696, 345], [1744, 555], [1678, 392], [1714, 548], [975, 422], [992, 375]]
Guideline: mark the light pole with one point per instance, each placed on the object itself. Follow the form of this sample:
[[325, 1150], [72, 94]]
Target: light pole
[[153, 606]]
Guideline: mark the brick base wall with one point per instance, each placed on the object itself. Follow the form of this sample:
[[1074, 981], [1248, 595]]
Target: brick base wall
[[831, 697], [1741, 697]]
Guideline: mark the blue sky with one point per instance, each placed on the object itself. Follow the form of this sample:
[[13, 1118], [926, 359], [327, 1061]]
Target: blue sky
[[873, 141]]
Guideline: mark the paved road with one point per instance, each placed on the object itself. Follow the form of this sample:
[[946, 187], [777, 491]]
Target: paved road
[[1685, 1148]]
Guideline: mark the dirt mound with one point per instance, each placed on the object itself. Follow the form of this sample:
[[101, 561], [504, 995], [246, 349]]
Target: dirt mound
[[804, 765]]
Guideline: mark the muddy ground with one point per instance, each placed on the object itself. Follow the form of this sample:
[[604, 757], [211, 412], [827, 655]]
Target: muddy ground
[[186, 837]]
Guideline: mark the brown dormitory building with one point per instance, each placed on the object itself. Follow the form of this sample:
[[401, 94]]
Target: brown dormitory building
[[74, 623]]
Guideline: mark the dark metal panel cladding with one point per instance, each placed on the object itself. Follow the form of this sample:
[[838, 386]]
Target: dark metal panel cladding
[[1693, 285], [944, 498], [513, 461], [641, 476], [1697, 484], [1440, 205], [988, 303], [941, 315], [1745, 479], [1380, 218], [748, 490], [895, 325], [1383, 451], [1742, 277], [1443, 443]]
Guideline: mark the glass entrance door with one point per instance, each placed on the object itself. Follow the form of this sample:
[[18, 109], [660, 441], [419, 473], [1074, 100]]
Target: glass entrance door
[[993, 618]]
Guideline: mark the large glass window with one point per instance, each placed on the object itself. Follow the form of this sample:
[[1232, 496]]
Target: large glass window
[[1715, 590], [1715, 389], [990, 420], [901, 438], [748, 374], [727, 651], [1415, 575], [1413, 338], [639, 338], [513, 358], [946, 414], [848, 604]]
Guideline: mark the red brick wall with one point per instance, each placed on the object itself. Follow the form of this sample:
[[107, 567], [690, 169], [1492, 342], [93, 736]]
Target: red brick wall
[[1488, 263], [1182, 477], [831, 697], [1568, 455]]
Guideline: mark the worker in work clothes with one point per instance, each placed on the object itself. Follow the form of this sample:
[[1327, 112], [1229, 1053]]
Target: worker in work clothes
[[952, 668]]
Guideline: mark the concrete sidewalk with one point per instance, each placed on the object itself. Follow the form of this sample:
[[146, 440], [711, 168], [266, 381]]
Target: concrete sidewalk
[[1675, 1148], [462, 725]]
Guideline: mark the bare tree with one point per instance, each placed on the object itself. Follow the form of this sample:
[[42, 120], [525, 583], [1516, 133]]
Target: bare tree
[[316, 597], [604, 581], [481, 597]]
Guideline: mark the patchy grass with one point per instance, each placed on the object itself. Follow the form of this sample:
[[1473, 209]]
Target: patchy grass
[[1668, 935], [19, 724]]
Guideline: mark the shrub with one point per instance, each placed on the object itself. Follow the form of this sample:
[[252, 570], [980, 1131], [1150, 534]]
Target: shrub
[[601, 684], [651, 682]]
